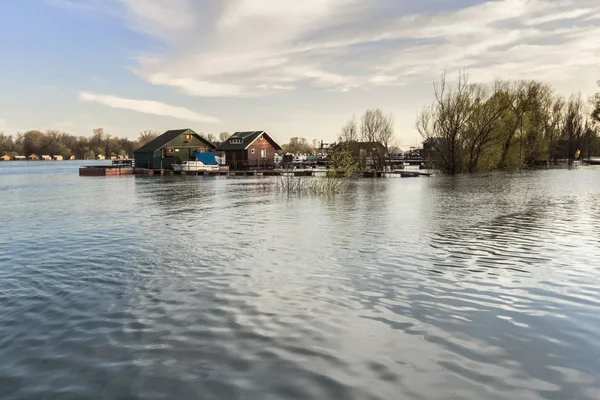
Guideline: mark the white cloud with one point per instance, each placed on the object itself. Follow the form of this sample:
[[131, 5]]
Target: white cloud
[[229, 48], [147, 107], [383, 79], [566, 15], [195, 87]]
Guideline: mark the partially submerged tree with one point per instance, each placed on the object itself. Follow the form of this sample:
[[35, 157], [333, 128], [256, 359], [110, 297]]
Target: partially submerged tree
[[443, 124], [573, 127], [596, 107]]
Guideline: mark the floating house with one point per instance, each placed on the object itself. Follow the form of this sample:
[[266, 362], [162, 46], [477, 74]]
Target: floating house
[[172, 147], [100, 157], [20, 158], [46, 157], [72, 157], [5, 157], [57, 158], [251, 149], [33, 157]]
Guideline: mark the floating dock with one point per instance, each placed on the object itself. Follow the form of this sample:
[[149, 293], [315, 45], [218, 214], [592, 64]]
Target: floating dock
[[118, 167]]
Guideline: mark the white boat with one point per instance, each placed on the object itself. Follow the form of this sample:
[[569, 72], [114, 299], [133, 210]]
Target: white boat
[[192, 166]]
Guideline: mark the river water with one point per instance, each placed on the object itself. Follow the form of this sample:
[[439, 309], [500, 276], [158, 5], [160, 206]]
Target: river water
[[483, 287]]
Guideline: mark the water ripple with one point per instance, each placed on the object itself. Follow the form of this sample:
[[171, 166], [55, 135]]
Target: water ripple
[[217, 288]]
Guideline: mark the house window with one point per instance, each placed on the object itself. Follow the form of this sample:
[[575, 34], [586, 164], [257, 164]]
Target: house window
[[169, 151], [188, 138], [262, 138], [263, 153], [252, 151], [235, 141]]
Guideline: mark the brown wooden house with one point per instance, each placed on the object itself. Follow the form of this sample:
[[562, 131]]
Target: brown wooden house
[[252, 149]]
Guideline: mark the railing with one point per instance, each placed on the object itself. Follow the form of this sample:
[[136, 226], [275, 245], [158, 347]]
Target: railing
[[122, 163]]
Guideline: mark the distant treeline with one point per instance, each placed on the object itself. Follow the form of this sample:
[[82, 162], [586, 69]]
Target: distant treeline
[[56, 143], [475, 127], [59, 143]]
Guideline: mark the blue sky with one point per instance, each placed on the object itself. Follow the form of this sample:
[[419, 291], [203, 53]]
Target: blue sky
[[292, 68]]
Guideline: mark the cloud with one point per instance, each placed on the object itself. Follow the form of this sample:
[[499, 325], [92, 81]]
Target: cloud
[[195, 87], [147, 107], [231, 48], [566, 15]]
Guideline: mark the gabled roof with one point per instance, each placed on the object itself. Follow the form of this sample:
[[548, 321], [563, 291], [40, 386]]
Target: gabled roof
[[167, 137], [241, 141]]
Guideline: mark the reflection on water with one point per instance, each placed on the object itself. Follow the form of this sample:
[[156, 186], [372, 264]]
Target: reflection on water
[[218, 288]]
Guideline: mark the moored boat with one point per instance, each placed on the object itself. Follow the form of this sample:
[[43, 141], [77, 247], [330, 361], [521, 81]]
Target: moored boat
[[194, 166]]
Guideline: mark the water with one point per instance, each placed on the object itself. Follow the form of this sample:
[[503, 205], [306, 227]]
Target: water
[[218, 288]]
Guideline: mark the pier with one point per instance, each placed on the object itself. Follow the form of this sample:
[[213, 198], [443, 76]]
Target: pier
[[282, 172]]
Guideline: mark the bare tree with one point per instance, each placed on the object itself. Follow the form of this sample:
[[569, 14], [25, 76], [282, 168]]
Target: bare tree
[[349, 132], [209, 136], [443, 123], [385, 136], [376, 133], [146, 137], [223, 136]]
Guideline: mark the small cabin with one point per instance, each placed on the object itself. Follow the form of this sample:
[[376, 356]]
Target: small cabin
[[100, 157], [72, 157], [5, 157], [46, 157], [250, 149], [33, 157], [20, 158], [57, 158], [172, 147]]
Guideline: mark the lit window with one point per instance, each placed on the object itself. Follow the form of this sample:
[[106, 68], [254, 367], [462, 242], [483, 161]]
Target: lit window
[[188, 138]]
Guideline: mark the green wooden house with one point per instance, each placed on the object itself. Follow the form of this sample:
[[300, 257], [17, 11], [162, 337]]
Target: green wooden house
[[171, 147]]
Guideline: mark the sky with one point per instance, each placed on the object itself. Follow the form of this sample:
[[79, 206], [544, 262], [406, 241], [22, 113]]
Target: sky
[[293, 68]]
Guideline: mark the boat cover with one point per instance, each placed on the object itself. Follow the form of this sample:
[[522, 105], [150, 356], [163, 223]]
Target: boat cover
[[206, 157]]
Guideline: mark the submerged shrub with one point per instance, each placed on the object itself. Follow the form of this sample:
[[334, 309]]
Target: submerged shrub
[[291, 185]]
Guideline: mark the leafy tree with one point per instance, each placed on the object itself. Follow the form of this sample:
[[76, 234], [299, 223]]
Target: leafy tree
[[32, 142], [343, 161], [298, 145]]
